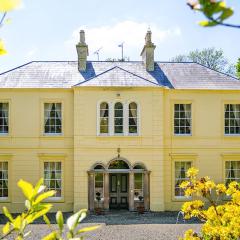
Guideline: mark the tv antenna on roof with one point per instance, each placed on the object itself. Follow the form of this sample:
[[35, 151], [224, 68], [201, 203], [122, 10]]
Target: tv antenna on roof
[[97, 52], [121, 46]]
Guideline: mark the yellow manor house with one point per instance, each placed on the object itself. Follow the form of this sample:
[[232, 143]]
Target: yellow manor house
[[114, 131]]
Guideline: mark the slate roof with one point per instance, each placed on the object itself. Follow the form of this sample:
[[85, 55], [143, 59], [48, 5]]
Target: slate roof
[[65, 74]]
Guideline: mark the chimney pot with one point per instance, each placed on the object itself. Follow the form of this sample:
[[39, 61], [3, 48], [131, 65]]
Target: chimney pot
[[82, 51], [148, 52]]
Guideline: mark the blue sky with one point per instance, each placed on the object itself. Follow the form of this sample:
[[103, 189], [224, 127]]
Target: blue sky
[[48, 30]]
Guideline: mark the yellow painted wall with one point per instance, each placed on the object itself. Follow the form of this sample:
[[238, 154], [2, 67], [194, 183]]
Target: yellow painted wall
[[25, 145], [79, 148]]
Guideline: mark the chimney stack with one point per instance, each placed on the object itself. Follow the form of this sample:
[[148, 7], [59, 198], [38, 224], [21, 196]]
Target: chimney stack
[[82, 51], [148, 52]]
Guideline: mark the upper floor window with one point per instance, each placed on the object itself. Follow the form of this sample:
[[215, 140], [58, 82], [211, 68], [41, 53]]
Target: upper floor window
[[132, 118], [4, 109], [182, 119], [232, 119], [104, 118], [118, 118], [232, 171], [3, 180], [52, 118]]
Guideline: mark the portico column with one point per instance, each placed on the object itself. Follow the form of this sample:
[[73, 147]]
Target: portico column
[[146, 191], [131, 191], [106, 191], [91, 191]]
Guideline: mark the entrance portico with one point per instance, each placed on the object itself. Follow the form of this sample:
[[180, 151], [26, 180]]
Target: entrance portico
[[118, 185]]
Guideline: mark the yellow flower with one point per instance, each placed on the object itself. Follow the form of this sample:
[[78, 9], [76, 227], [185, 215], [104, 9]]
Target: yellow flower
[[210, 185], [192, 172], [184, 184], [2, 49], [220, 188], [8, 5]]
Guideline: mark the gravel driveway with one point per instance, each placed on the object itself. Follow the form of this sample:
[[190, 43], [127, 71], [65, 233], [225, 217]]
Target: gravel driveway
[[128, 226]]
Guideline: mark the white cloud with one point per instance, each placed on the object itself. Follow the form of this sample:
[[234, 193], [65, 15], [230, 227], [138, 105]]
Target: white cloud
[[109, 37]]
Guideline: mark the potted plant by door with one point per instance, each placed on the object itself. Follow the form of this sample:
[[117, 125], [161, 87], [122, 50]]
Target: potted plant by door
[[140, 207], [98, 209]]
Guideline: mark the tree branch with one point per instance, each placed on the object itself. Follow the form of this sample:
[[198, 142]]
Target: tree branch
[[223, 24], [2, 19]]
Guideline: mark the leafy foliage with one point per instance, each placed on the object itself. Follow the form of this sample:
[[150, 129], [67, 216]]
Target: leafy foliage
[[6, 6], [222, 218], [216, 12], [209, 57], [238, 68], [37, 208]]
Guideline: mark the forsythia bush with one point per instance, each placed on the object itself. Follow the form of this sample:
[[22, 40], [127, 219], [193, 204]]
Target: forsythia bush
[[222, 218], [36, 208]]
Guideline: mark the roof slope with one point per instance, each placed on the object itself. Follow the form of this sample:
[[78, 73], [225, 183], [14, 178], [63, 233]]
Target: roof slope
[[65, 74], [117, 77]]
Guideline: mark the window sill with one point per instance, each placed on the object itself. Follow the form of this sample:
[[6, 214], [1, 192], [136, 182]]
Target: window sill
[[118, 136], [55, 200], [182, 135], [4, 135], [54, 136], [231, 135], [4, 200], [181, 199]]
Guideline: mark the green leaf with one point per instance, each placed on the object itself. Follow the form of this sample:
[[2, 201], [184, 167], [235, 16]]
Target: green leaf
[[38, 186], [51, 236], [46, 220], [88, 229], [43, 196], [2, 48], [7, 214], [206, 23], [6, 228], [59, 219], [228, 12], [26, 188]]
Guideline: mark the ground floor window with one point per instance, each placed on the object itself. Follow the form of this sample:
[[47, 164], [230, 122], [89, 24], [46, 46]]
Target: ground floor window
[[99, 193], [53, 177], [232, 171], [138, 186], [180, 176], [3, 179]]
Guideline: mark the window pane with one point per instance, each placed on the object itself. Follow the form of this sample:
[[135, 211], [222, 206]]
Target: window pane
[[3, 179], [132, 121], [182, 119], [99, 182], [53, 177], [4, 108], [180, 176], [52, 118], [138, 186], [232, 119], [232, 171]]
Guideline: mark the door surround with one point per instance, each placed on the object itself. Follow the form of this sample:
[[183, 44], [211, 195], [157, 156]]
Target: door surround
[[113, 167]]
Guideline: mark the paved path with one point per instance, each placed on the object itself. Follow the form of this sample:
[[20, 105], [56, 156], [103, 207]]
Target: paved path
[[128, 226]]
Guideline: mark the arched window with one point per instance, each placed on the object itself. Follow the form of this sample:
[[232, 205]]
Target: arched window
[[118, 118], [104, 118], [133, 118], [118, 164]]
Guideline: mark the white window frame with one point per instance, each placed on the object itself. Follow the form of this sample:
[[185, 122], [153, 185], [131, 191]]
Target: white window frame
[[2, 198], [53, 134], [184, 179], [225, 171], [8, 119], [182, 134], [111, 117], [229, 134]]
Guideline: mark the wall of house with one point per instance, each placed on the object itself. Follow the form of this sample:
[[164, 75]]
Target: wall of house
[[208, 148], [90, 148], [25, 147]]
